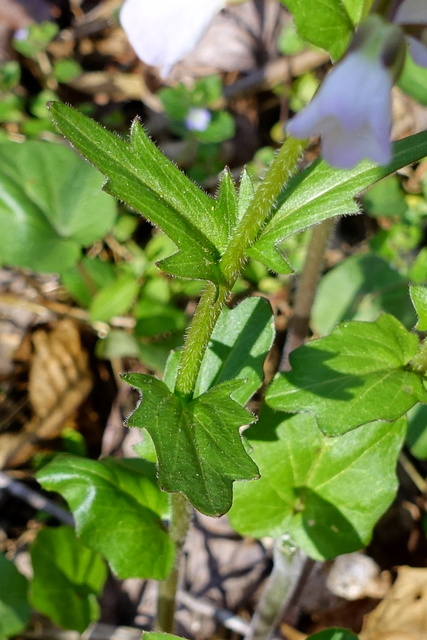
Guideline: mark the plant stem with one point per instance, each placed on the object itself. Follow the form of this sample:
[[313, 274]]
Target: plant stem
[[306, 289], [200, 332], [281, 585], [244, 236], [179, 523], [419, 361]]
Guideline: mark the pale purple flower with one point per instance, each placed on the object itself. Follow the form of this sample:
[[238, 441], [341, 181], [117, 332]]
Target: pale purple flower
[[352, 109], [198, 119], [414, 12], [411, 12], [164, 31], [351, 112]]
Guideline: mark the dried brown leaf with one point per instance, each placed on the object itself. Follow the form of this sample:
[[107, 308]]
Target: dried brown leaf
[[402, 615]]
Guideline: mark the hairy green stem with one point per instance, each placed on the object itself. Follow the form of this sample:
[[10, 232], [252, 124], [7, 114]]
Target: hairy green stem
[[166, 601], [419, 361], [244, 236], [200, 332], [281, 585]]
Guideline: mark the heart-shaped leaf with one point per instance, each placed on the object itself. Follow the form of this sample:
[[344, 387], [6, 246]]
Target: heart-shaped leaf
[[325, 493]]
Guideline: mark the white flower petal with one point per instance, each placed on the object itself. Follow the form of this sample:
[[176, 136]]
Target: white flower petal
[[411, 12], [164, 31]]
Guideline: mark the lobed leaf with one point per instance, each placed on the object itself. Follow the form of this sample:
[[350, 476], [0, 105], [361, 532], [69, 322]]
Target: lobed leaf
[[118, 510], [325, 493], [140, 175], [355, 375], [198, 446], [65, 571], [322, 192]]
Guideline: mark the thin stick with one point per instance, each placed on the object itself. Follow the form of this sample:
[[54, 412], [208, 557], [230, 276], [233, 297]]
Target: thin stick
[[281, 585], [35, 499], [166, 602], [306, 290]]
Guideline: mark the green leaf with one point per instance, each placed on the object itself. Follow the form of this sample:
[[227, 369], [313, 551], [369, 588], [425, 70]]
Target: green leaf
[[416, 438], [87, 277], [50, 206], [360, 288], [114, 299], [198, 445], [325, 493], [325, 24], [357, 9], [322, 192], [148, 635], [356, 375], [333, 634], [15, 611], [67, 578], [118, 509], [66, 69], [413, 81], [419, 300], [138, 173]]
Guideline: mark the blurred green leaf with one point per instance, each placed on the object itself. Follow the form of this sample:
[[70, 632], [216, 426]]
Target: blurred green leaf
[[360, 288], [325, 493], [34, 38], [67, 578], [117, 344], [221, 127], [326, 24], [413, 81], [198, 445], [88, 276], [385, 199], [10, 75], [419, 300], [50, 206], [416, 438], [11, 108], [114, 299], [15, 612], [66, 69], [356, 375], [118, 509], [335, 633]]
